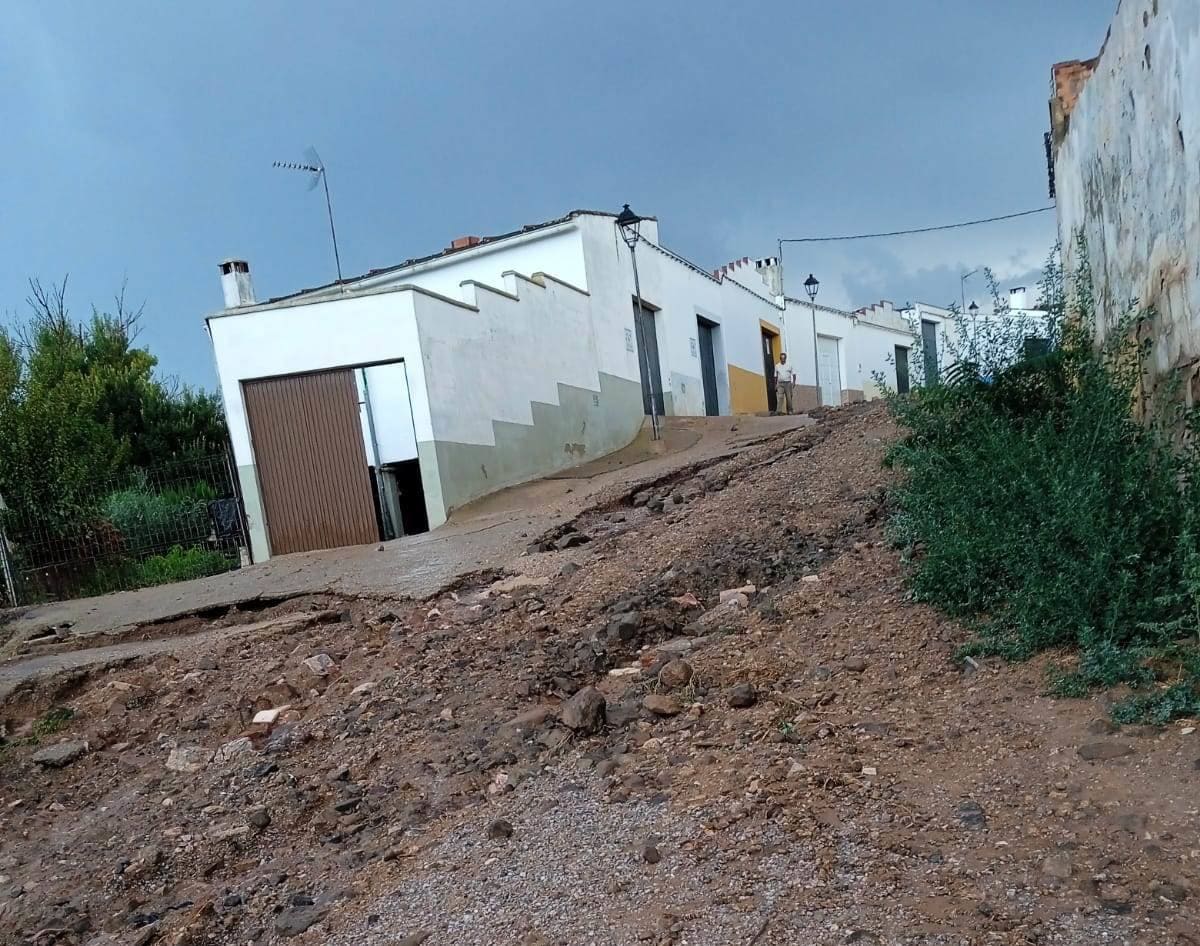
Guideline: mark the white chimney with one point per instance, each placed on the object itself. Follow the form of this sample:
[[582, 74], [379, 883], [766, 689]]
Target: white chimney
[[1017, 299], [235, 283]]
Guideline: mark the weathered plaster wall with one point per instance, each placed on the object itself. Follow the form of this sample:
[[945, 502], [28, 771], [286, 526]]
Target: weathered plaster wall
[[1126, 134]]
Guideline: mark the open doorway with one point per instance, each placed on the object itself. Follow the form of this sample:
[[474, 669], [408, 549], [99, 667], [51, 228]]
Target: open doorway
[[404, 498], [768, 345], [902, 384], [391, 445]]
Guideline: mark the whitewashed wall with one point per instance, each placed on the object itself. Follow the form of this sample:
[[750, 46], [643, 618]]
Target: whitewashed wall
[[290, 339], [491, 362], [286, 339], [681, 292]]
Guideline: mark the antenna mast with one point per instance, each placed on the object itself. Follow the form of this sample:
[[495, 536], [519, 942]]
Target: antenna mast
[[316, 168]]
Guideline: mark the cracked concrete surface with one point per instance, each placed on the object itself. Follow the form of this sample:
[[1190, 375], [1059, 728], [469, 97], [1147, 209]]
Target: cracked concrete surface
[[488, 534]]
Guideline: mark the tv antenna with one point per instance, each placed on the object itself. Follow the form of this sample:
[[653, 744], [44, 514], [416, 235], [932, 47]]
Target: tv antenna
[[313, 165]]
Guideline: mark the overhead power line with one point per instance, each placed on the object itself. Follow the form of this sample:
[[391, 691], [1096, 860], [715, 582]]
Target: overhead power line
[[892, 233]]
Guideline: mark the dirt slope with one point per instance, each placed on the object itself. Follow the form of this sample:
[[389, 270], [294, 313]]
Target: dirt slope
[[818, 769]]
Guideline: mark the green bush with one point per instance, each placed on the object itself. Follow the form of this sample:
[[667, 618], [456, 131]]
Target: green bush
[[1037, 507], [148, 520], [180, 564]]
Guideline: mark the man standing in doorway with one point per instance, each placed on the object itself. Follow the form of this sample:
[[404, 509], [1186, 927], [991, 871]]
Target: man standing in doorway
[[785, 385]]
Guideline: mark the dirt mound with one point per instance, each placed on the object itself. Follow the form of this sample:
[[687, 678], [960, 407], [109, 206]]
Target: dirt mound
[[598, 748]]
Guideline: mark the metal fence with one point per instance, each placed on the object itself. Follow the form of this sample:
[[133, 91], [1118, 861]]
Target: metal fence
[[176, 521]]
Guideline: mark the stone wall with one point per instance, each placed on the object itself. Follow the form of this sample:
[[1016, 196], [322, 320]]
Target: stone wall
[[1125, 132]]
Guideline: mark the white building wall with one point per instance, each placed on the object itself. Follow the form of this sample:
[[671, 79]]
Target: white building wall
[[249, 344], [680, 292]]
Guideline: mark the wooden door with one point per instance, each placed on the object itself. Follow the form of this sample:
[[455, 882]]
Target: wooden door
[[311, 461]]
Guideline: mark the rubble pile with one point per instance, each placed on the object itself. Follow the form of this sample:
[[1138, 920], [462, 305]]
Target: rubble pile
[[709, 702]]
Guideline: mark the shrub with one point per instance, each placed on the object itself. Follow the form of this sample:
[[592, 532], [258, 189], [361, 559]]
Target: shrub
[[1036, 506], [149, 520], [181, 564]]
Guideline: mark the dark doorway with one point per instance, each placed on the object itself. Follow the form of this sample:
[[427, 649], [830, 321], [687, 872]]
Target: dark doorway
[[769, 369], [708, 365], [405, 497], [1035, 347], [648, 362], [929, 350], [901, 369]]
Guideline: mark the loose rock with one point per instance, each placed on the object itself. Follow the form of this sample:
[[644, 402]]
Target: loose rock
[[661, 705], [320, 665], [970, 813], [1104, 751], [855, 664], [585, 711], [676, 673], [189, 759], [62, 754], [500, 830], [742, 695]]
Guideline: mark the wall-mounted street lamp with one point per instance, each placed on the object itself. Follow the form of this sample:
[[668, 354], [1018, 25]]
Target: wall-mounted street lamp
[[811, 285], [629, 224]]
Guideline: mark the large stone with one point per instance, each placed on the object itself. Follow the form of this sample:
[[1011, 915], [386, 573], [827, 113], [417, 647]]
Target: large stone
[[742, 695], [855, 664], [320, 665], [232, 750], [735, 597], [571, 540], [971, 814], [661, 705], [675, 673], [500, 830], [62, 754], [295, 920], [624, 627], [189, 759], [1104, 751], [585, 711]]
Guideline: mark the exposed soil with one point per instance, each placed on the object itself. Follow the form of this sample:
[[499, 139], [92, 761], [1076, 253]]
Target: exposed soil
[[818, 769]]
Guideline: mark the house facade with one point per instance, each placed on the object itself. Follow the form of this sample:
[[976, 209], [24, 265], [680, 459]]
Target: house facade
[[378, 406]]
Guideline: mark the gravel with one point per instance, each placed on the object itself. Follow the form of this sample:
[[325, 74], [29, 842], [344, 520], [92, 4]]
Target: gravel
[[575, 872]]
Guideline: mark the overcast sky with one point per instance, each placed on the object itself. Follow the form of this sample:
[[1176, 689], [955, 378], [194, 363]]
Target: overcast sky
[[139, 137]]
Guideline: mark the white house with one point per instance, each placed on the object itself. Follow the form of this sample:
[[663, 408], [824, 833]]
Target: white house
[[376, 406]]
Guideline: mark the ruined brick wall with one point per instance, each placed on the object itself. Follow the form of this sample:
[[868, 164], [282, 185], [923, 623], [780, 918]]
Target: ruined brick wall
[[1126, 144]]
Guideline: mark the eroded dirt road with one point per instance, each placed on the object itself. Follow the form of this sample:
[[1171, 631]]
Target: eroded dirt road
[[596, 750]]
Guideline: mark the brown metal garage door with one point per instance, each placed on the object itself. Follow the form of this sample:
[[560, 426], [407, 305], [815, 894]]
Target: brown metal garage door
[[312, 466]]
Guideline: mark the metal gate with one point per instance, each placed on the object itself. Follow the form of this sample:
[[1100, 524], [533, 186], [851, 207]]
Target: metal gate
[[311, 461]]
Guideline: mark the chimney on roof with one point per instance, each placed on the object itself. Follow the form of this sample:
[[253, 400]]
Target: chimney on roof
[[1018, 298], [236, 284], [464, 243], [771, 274]]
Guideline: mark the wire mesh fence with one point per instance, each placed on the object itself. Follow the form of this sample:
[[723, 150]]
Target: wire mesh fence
[[173, 522]]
